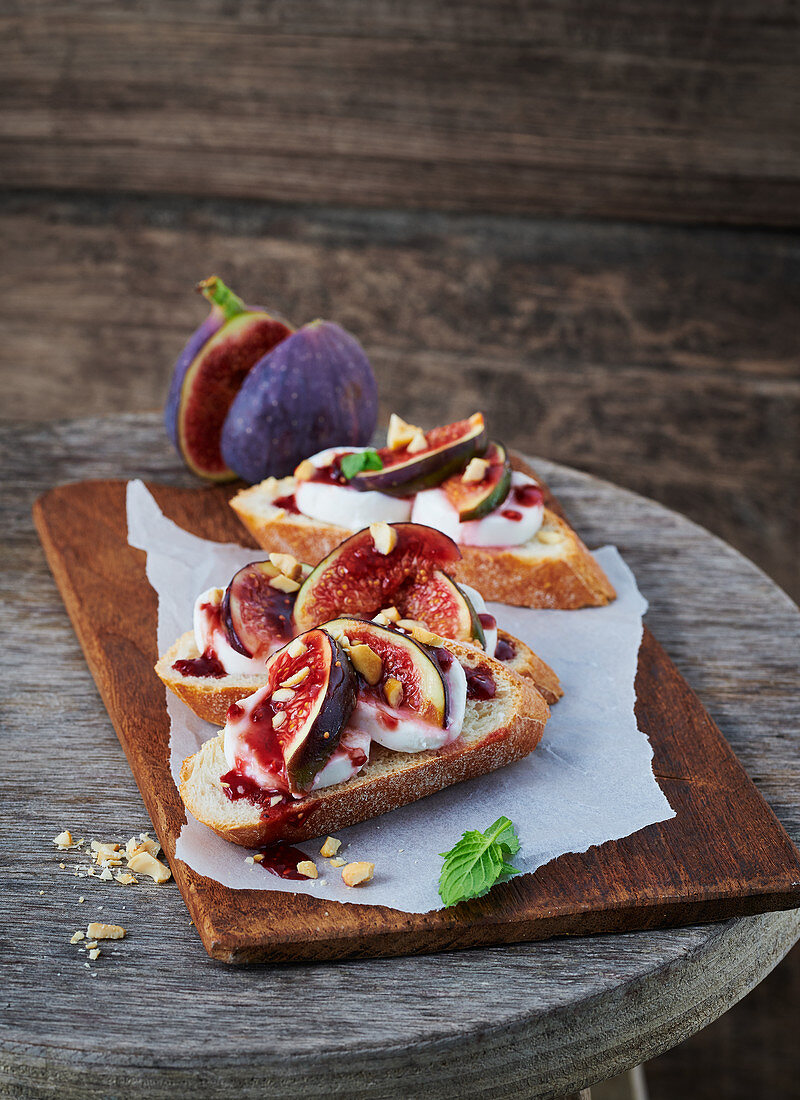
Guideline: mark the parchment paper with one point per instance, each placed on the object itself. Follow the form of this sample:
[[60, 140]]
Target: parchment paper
[[589, 781]]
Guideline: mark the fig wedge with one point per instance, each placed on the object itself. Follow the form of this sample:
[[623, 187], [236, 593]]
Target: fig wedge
[[475, 499], [401, 659], [438, 602], [256, 614], [209, 373], [448, 449], [357, 579]]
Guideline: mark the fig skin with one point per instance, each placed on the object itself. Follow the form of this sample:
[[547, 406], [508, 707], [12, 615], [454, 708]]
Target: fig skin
[[244, 323], [314, 390]]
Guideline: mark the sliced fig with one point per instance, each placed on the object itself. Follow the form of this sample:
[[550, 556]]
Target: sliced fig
[[314, 390], [437, 601], [209, 373], [474, 499], [447, 450], [357, 579], [257, 616], [402, 660], [287, 731]]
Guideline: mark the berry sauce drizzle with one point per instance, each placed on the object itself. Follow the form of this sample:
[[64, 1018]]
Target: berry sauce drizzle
[[504, 651], [281, 859], [288, 503], [208, 664]]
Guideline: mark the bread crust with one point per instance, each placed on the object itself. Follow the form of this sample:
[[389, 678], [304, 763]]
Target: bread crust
[[389, 780], [553, 570]]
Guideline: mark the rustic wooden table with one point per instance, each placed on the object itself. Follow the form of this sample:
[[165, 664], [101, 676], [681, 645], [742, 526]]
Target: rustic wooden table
[[154, 1016]]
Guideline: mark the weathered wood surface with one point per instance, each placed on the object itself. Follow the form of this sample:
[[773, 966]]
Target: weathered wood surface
[[681, 112], [722, 855], [665, 359], [531, 1020]]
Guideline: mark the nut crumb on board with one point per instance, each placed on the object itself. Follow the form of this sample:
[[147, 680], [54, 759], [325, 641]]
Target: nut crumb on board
[[98, 931], [308, 868], [145, 864], [330, 847], [356, 874]]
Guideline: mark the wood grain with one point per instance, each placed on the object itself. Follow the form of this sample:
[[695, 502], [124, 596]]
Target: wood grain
[[723, 855], [620, 111], [663, 358], [526, 1020]]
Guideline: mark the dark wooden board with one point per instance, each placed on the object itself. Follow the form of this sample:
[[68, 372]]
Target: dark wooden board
[[724, 854], [683, 111]]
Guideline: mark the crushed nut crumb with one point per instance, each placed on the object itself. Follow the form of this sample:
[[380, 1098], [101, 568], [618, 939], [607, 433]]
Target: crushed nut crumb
[[393, 690], [278, 718], [284, 584], [384, 537], [97, 931], [476, 470], [330, 847], [356, 874], [287, 564], [338, 862], [297, 678], [63, 840], [367, 662], [94, 953], [308, 868], [400, 433], [145, 864], [305, 471], [296, 648], [282, 695], [78, 936], [549, 535], [418, 443]]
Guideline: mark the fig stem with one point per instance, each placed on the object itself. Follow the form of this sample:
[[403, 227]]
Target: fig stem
[[219, 295]]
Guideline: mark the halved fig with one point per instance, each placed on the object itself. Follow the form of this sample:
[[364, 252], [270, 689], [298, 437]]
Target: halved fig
[[401, 660], [257, 615], [447, 450], [438, 602], [357, 579], [294, 723], [475, 499]]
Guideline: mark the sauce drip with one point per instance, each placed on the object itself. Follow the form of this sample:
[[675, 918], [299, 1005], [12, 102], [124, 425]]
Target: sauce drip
[[487, 621], [288, 503], [504, 651], [512, 514], [207, 664], [330, 474], [527, 495], [281, 859], [236, 786], [480, 683]]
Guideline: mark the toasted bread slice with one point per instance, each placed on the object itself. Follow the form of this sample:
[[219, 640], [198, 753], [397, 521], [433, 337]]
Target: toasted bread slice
[[553, 569], [495, 733], [210, 697]]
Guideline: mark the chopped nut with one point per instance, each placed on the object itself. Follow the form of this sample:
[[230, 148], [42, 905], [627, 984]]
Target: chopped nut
[[418, 443], [286, 564], [367, 662], [259, 858], [249, 859], [282, 695], [97, 931], [278, 718], [104, 852], [330, 847], [420, 632], [296, 648], [145, 864], [308, 868], [391, 613], [338, 862], [400, 433], [63, 866], [356, 874], [276, 798], [77, 937], [284, 584], [143, 843], [296, 679], [105, 875], [94, 953], [476, 470], [63, 840], [81, 901], [384, 537], [89, 944], [125, 878], [549, 535], [393, 690], [305, 470]]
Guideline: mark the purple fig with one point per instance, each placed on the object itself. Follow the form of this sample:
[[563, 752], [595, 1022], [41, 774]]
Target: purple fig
[[314, 390], [211, 368]]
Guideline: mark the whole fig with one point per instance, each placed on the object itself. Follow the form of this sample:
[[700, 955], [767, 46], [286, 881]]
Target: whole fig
[[209, 372], [314, 390]]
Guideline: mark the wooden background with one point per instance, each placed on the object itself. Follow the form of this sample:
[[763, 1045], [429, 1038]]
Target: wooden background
[[579, 216]]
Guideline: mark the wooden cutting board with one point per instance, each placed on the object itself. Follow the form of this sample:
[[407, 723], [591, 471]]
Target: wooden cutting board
[[724, 854]]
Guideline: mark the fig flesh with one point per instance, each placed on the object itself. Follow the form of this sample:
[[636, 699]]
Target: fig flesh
[[357, 579], [475, 499], [448, 449], [438, 602], [209, 373], [293, 731], [314, 390], [414, 667], [256, 615]]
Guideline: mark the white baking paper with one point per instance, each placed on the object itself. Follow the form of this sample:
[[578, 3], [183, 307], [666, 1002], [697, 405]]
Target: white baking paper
[[589, 781]]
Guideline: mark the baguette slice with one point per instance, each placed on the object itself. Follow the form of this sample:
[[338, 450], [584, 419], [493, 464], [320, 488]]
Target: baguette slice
[[496, 732], [210, 697], [553, 569]]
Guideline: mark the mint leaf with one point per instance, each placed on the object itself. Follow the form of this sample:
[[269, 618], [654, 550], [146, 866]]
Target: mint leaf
[[477, 862], [353, 464]]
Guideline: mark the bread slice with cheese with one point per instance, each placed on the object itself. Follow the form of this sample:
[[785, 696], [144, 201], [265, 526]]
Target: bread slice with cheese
[[553, 569], [496, 732], [210, 697]]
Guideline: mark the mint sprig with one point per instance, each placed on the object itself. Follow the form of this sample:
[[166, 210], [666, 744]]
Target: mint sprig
[[477, 862], [353, 464]]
